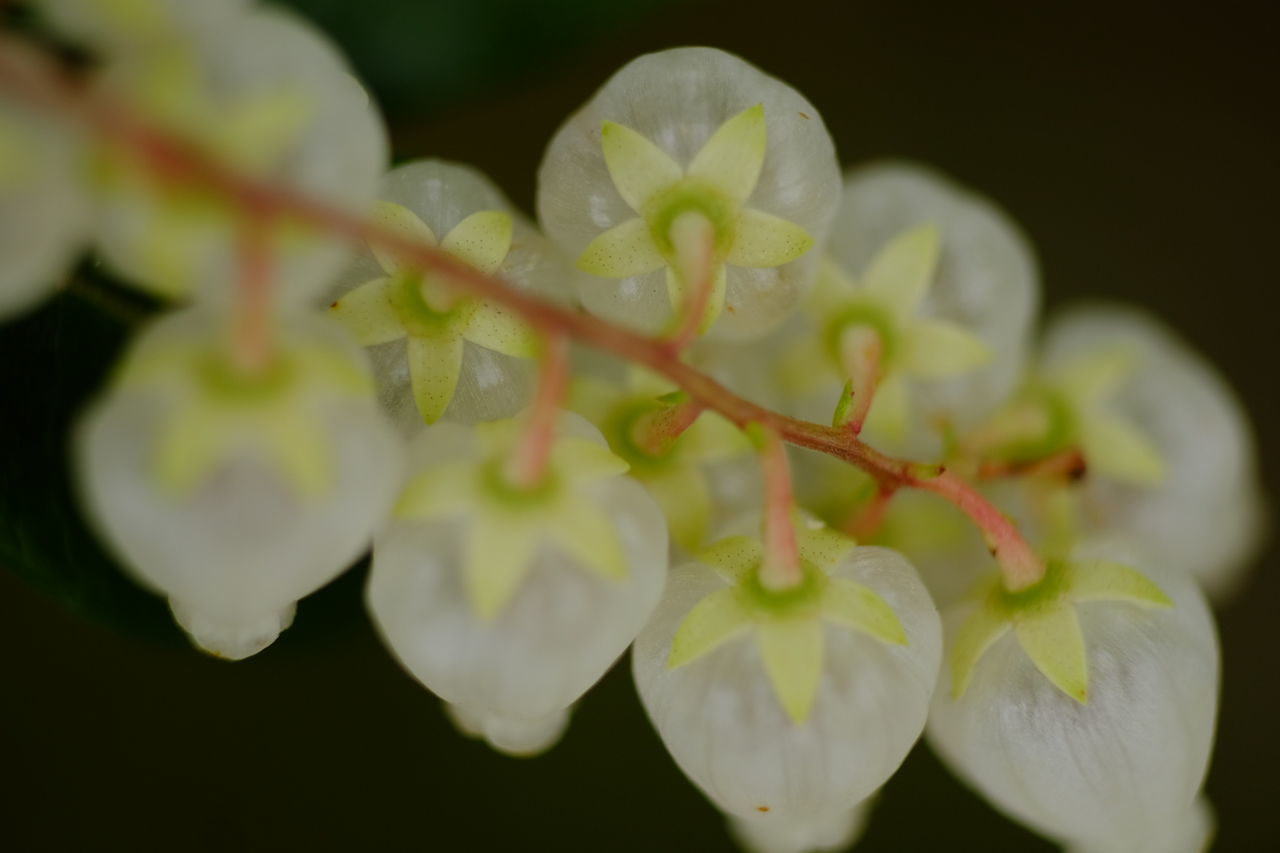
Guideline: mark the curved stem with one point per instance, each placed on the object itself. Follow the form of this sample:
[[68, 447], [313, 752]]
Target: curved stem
[[781, 566], [44, 86]]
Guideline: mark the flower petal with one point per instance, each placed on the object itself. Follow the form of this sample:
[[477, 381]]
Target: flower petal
[[1100, 580], [714, 620], [438, 491], [587, 535], [979, 632], [1117, 449], [682, 493], [638, 167], [858, 606], [890, 413], [936, 349], [494, 327], [765, 240], [900, 274], [297, 448], [435, 364], [1051, 637], [482, 240], [368, 314], [733, 557], [593, 398], [791, 651], [581, 461], [1096, 375], [712, 438], [732, 158], [191, 443], [499, 549], [402, 220], [623, 251]]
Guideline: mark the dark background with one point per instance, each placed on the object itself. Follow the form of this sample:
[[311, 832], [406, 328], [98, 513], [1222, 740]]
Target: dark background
[[1135, 142]]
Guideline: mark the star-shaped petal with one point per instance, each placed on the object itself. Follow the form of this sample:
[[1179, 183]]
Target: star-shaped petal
[[1045, 621]]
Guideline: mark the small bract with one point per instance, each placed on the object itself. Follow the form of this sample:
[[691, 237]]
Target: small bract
[[1083, 707], [774, 703], [510, 603], [44, 208], [691, 163], [266, 96], [438, 353], [235, 495]]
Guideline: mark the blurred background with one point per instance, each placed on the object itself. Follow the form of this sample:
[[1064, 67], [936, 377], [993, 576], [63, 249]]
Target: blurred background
[[1136, 142]]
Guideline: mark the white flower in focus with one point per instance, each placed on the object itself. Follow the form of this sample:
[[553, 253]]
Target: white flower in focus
[[510, 603], [775, 704], [268, 97], [436, 352], [235, 495], [691, 141], [44, 208], [1083, 707], [838, 832]]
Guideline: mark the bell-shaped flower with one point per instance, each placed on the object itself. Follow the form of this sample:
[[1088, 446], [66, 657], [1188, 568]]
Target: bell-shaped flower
[[775, 702], [873, 337], [237, 493], [691, 168], [266, 95], [510, 602], [693, 471], [1173, 470], [44, 206], [437, 352], [1084, 706]]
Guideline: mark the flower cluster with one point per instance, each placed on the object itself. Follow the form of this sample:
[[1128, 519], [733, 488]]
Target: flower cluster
[[357, 357]]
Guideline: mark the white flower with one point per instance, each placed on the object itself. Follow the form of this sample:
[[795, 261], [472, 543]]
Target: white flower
[[119, 26], [1083, 707], [237, 495], [691, 131], [44, 207], [510, 604], [833, 833], [1201, 511], [267, 96], [436, 353], [794, 706]]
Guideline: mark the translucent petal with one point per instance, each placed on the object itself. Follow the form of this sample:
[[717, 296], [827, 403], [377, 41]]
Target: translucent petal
[[260, 126], [1101, 580], [822, 546], [1051, 637], [368, 314], [646, 383], [637, 166], [805, 366], [733, 557], [1115, 448], [623, 251], [499, 548], [298, 449], [900, 274], [936, 349], [594, 399], [677, 293], [890, 409], [402, 220], [719, 617], [483, 239], [582, 461], [791, 651], [732, 158], [712, 438], [440, 490], [1095, 376], [858, 606], [589, 536], [496, 328], [983, 627], [765, 240], [832, 289], [682, 493], [435, 364], [190, 445]]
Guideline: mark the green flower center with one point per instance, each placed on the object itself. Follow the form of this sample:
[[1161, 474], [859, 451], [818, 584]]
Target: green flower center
[[419, 317], [867, 314], [691, 195]]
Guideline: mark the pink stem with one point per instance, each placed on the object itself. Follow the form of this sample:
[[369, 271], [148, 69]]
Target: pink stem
[[252, 343], [528, 465], [864, 522], [861, 350], [781, 567], [694, 238], [174, 160]]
